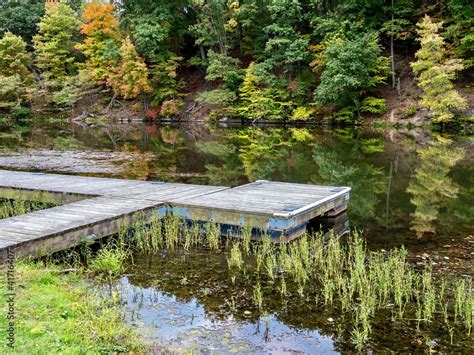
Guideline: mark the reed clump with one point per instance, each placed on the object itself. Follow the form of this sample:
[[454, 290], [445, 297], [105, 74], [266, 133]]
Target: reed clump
[[358, 284], [10, 208]]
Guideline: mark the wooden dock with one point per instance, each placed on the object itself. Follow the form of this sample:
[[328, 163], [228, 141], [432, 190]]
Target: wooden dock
[[93, 207]]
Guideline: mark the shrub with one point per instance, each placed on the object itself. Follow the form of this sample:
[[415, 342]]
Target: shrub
[[373, 105], [68, 95], [20, 112], [346, 115], [302, 113], [409, 111], [152, 112], [220, 100], [171, 108], [225, 68]]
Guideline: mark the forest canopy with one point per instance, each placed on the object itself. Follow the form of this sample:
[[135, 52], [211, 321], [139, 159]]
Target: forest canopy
[[266, 59]]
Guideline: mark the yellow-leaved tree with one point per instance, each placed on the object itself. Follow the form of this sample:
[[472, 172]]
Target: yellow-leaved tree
[[435, 72], [131, 78]]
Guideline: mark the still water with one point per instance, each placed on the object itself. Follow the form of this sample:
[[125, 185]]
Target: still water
[[409, 187]]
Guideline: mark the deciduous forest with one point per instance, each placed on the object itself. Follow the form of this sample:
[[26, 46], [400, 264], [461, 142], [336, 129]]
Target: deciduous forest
[[338, 61]]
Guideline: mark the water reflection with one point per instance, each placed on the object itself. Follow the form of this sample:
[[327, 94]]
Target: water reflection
[[182, 323], [404, 183], [432, 188]]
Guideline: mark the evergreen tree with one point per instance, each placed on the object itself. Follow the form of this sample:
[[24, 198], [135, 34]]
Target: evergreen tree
[[54, 44], [435, 73], [131, 78]]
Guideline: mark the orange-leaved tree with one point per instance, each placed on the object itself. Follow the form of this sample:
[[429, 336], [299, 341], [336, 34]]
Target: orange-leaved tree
[[102, 43], [131, 78]]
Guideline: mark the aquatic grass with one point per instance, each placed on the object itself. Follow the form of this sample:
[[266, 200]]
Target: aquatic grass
[[171, 231], [283, 288], [235, 260], [213, 235], [10, 208], [109, 261], [258, 295], [271, 266], [246, 233], [341, 274]]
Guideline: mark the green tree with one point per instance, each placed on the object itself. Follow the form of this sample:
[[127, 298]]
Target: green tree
[[215, 25], [461, 30], [14, 59], [21, 17], [163, 78], [398, 27], [435, 73], [252, 17], [16, 79], [54, 45], [351, 65], [286, 47]]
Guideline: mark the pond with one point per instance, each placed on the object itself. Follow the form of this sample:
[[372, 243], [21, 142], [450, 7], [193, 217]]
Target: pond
[[409, 187]]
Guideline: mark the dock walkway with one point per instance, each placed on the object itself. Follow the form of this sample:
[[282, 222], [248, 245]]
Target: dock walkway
[[94, 207]]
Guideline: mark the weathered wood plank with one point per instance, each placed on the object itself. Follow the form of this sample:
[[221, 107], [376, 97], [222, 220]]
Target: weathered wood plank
[[99, 206]]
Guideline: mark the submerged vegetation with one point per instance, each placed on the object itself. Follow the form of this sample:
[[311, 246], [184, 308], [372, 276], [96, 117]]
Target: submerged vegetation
[[360, 289], [363, 288]]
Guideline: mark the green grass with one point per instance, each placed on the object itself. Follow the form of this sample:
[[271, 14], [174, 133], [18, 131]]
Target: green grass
[[58, 313], [10, 208]]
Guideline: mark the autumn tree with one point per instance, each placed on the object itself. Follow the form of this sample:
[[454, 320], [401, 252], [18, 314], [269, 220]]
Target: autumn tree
[[54, 45], [15, 78], [259, 101], [435, 73], [131, 78], [101, 46]]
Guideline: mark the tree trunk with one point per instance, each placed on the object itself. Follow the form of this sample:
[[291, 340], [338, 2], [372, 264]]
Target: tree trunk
[[392, 54], [203, 52]]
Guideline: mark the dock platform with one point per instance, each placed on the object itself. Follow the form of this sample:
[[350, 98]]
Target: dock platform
[[92, 208]]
